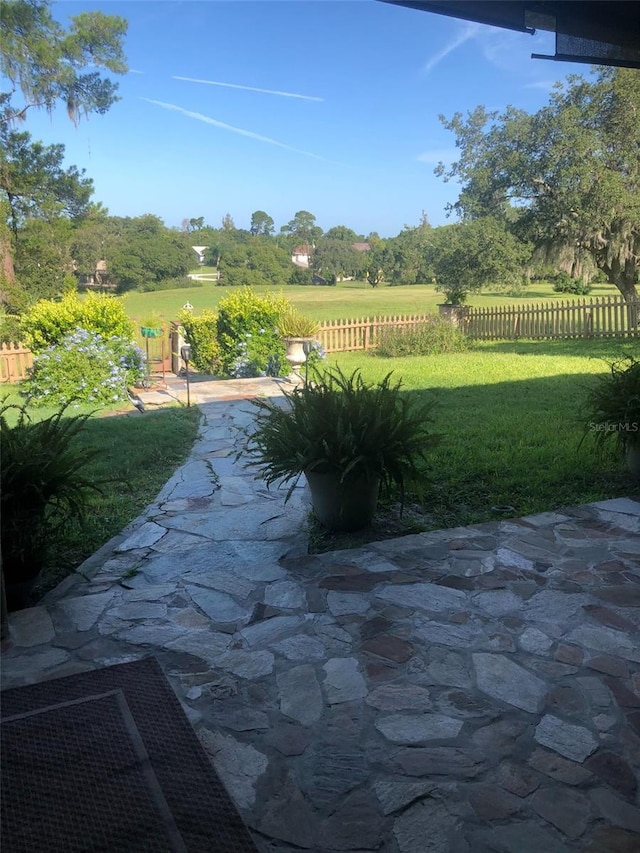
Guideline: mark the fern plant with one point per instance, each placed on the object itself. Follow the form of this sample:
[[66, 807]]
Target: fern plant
[[340, 424], [613, 405], [43, 485]]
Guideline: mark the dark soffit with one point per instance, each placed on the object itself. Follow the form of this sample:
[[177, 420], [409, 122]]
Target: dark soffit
[[592, 32]]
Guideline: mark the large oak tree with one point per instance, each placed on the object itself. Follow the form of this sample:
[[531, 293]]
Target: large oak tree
[[43, 64], [567, 176]]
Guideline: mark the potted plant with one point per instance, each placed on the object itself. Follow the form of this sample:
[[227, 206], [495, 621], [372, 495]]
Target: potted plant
[[151, 326], [298, 332], [613, 410], [348, 438], [43, 485]]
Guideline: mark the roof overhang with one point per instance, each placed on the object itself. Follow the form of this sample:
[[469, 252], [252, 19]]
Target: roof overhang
[[592, 32]]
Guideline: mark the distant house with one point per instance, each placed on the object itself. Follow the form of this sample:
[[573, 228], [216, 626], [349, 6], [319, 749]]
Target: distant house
[[99, 278], [301, 256], [200, 250]]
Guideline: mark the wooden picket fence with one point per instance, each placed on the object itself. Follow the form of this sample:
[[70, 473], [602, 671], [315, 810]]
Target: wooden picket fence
[[15, 361], [346, 335], [600, 317]]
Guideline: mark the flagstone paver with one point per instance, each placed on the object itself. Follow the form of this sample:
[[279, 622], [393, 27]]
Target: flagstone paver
[[473, 689]]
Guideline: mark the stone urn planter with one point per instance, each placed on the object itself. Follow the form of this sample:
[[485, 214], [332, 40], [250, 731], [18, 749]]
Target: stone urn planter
[[456, 314], [297, 352]]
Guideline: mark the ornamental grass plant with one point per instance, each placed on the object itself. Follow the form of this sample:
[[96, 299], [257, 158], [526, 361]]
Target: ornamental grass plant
[[340, 424], [44, 485]]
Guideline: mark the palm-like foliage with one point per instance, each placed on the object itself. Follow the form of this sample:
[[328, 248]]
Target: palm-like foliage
[[43, 485], [341, 424], [613, 404]]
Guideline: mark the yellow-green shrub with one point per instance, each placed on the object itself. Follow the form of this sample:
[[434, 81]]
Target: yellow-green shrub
[[47, 322], [202, 334], [248, 334]]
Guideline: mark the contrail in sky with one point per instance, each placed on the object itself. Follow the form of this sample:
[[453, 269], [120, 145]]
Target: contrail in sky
[[464, 35], [223, 126], [248, 88]]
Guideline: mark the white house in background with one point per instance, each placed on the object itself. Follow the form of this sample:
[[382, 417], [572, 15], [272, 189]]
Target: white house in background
[[301, 256], [200, 250]]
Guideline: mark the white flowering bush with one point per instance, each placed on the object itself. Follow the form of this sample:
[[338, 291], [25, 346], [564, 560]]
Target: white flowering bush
[[85, 367]]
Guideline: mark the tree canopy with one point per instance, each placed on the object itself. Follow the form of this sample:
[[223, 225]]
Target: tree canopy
[[261, 223], [567, 176], [467, 256], [303, 227], [46, 63]]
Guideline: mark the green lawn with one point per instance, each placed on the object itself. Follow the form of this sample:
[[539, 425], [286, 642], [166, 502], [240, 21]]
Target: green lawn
[[347, 300], [509, 414], [510, 419]]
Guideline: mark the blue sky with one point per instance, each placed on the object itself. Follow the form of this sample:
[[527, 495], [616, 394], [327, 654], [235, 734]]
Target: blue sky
[[329, 106]]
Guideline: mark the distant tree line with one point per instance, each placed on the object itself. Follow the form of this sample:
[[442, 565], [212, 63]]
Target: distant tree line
[[543, 193]]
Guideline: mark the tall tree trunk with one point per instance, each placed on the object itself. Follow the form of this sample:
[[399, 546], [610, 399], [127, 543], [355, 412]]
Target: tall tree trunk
[[7, 272], [624, 274]]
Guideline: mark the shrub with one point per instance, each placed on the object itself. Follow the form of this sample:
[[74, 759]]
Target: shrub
[[43, 486], [259, 354], [9, 328], [563, 283], [439, 335], [47, 322], [315, 353], [85, 367], [202, 334], [180, 283], [250, 343]]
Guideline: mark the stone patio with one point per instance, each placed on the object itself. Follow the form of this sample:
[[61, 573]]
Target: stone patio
[[460, 691]]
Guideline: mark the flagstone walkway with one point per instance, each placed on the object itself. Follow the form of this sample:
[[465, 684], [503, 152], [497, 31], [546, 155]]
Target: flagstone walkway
[[461, 691]]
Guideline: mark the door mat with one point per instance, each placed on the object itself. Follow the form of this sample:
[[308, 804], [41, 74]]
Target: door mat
[[107, 761]]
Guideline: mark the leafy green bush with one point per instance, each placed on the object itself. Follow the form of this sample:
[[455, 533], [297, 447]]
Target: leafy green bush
[[85, 367], [439, 335], [613, 405], [202, 334], [563, 283], [180, 283], [47, 322], [43, 486], [9, 328], [250, 344]]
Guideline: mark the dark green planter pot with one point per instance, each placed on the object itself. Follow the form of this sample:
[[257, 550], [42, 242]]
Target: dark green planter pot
[[343, 507], [633, 460], [19, 594]]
